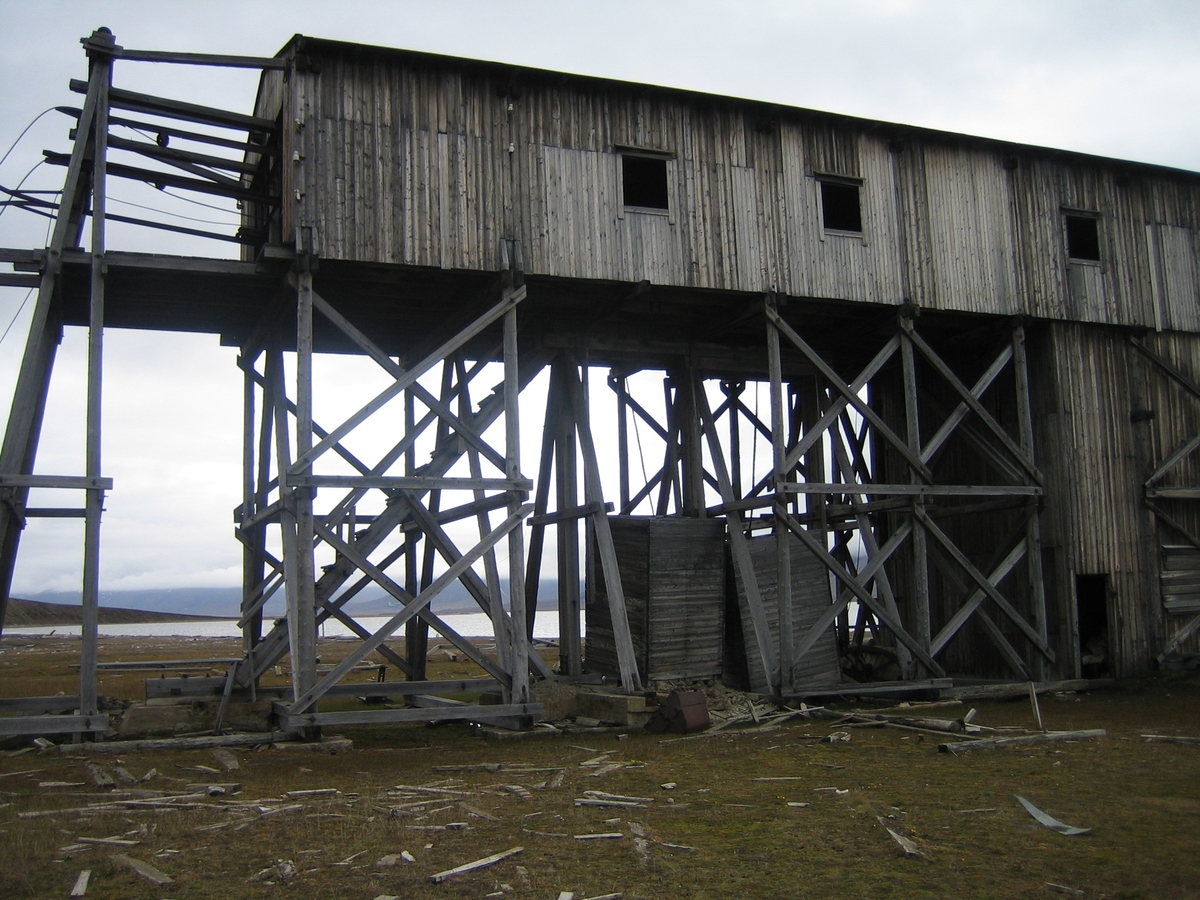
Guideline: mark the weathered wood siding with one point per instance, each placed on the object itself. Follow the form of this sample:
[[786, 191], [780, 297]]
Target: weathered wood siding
[[673, 577], [429, 161], [811, 596], [1097, 455]]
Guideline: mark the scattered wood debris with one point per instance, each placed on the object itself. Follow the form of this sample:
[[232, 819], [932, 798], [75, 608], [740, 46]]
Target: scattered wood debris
[[476, 865], [911, 850], [147, 871], [99, 777], [228, 761], [1171, 739], [107, 842], [1049, 821], [995, 743], [478, 813], [1063, 889], [81, 883], [603, 836]]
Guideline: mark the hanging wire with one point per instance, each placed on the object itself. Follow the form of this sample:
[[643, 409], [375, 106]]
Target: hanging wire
[[197, 202], [21, 183], [166, 212], [16, 315], [637, 433], [23, 133]]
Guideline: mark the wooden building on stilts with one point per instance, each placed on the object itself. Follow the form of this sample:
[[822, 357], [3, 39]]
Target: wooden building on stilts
[[978, 364]]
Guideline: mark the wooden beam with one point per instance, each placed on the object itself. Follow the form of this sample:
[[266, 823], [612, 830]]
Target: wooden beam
[[976, 407], [913, 490], [866, 598], [204, 59], [593, 493], [739, 547], [177, 109], [416, 605], [509, 301], [813, 435], [987, 586]]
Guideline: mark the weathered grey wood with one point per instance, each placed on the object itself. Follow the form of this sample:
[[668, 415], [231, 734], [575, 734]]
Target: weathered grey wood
[[1033, 528], [919, 578], [519, 654], [43, 725], [972, 603], [739, 549], [475, 866], [35, 705], [147, 871], [81, 883], [508, 302], [830, 416], [593, 493], [784, 679], [850, 395], [987, 586], [19, 450], [1022, 741], [420, 602], [866, 534], [855, 585], [560, 404], [918, 490], [438, 713], [204, 59]]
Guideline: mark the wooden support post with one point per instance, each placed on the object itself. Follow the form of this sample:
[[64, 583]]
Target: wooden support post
[[1033, 532], [102, 64], [566, 496], [671, 460], [304, 641], [689, 433], [740, 549], [919, 575], [541, 502], [733, 392], [516, 537], [783, 681], [593, 493], [618, 383], [500, 622], [252, 563], [19, 451]]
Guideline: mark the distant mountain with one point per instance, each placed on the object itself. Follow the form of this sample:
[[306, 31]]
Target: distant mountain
[[37, 614], [226, 602]]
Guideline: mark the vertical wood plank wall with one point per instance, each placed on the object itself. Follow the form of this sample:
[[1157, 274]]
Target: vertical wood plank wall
[[415, 160]]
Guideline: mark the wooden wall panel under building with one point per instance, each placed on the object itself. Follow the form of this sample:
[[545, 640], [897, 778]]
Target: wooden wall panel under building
[[673, 576], [811, 595]]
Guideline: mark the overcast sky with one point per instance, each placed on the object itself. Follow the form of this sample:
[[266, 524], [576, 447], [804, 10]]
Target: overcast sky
[[1115, 79]]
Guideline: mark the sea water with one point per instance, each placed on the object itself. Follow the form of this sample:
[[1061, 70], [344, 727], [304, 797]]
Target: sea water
[[545, 625]]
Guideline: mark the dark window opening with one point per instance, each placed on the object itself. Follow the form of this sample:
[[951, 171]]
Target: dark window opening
[[840, 210], [644, 179], [1083, 238], [1091, 599]]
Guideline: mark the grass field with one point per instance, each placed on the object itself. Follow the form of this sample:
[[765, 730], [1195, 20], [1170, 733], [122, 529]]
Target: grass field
[[724, 830]]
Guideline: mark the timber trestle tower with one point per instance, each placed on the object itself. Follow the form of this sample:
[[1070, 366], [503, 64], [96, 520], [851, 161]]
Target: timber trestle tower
[[973, 367]]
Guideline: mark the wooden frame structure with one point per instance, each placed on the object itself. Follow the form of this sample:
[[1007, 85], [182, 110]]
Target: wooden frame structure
[[913, 408]]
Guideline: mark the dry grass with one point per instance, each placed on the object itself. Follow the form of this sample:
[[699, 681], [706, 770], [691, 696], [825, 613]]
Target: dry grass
[[1143, 801]]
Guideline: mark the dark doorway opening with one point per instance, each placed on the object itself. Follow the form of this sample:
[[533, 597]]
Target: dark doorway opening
[[1091, 603]]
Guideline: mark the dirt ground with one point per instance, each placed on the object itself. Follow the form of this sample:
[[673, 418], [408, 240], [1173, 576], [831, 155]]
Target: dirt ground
[[759, 812]]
